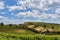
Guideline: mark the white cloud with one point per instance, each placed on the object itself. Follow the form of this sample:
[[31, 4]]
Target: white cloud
[[52, 1], [57, 11], [2, 5], [2, 17], [33, 13], [6, 20], [23, 14], [12, 21], [34, 4], [37, 14], [52, 16], [12, 8], [37, 4]]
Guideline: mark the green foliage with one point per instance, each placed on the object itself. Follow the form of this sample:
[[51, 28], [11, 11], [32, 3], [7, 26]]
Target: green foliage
[[44, 26], [52, 27], [1, 24]]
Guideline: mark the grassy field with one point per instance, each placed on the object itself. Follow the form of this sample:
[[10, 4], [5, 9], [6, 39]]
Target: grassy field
[[12, 36], [26, 32]]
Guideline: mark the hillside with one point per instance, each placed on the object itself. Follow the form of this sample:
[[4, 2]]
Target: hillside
[[43, 23], [31, 28], [30, 31]]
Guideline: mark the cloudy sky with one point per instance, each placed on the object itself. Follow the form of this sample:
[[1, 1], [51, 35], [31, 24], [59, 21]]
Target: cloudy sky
[[20, 11]]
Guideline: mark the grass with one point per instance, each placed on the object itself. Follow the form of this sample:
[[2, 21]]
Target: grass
[[12, 36], [18, 33]]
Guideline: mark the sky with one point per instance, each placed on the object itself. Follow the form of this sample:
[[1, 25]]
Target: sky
[[20, 11]]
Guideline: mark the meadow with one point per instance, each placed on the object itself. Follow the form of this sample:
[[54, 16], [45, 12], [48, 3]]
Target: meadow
[[11, 36], [21, 32]]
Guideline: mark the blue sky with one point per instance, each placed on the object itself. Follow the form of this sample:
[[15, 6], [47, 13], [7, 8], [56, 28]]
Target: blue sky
[[20, 11]]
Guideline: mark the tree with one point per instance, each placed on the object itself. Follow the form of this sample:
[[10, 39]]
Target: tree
[[52, 27], [1, 24], [47, 30], [10, 24], [35, 25], [44, 26]]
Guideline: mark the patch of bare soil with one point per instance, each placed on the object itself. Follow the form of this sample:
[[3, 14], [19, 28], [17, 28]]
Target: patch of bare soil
[[39, 28], [3, 29], [19, 31]]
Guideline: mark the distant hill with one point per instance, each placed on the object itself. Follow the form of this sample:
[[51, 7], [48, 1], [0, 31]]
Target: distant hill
[[41, 27], [42, 24], [31, 28]]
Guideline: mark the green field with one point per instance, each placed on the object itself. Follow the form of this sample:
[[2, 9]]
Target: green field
[[25, 32], [11, 36]]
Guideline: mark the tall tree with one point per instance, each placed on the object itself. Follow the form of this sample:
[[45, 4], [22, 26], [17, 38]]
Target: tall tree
[[2, 24]]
